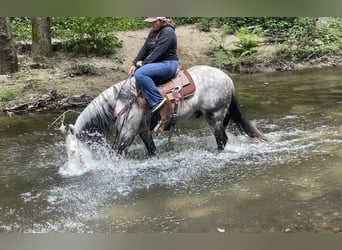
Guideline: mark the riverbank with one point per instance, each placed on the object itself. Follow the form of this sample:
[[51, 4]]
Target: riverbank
[[66, 81]]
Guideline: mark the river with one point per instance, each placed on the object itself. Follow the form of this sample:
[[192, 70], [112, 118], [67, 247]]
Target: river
[[291, 184]]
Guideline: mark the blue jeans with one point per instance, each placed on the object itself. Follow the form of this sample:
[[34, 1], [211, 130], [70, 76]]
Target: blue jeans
[[148, 73]]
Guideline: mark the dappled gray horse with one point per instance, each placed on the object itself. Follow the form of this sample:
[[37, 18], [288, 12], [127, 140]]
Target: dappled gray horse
[[117, 106]]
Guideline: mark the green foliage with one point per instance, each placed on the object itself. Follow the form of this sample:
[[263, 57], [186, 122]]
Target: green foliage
[[311, 39], [249, 41], [186, 20], [218, 42], [276, 26], [244, 52], [86, 35], [7, 94], [71, 27], [273, 25], [98, 44], [298, 38], [22, 29], [79, 69], [128, 23], [204, 24], [43, 62]]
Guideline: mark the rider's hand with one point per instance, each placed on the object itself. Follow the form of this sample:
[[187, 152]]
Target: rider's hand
[[131, 70]]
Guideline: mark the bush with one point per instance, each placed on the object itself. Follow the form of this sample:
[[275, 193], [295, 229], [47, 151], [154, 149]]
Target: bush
[[311, 39], [98, 45], [79, 69], [273, 25], [186, 20], [87, 35], [84, 35], [243, 55], [249, 41]]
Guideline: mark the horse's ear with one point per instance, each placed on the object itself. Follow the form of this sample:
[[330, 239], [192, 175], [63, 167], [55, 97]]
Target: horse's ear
[[71, 129]]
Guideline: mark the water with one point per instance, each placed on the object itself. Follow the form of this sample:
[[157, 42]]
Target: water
[[292, 184]]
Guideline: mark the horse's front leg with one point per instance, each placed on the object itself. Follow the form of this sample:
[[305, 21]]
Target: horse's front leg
[[146, 136], [120, 148], [147, 139], [126, 139]]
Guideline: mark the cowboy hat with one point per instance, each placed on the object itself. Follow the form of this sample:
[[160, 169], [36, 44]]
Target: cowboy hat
[[153, 19]]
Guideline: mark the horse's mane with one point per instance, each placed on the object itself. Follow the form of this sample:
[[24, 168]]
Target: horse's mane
[[98, 116]]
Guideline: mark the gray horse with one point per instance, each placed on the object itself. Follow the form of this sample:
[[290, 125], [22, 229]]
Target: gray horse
[[117, 107]]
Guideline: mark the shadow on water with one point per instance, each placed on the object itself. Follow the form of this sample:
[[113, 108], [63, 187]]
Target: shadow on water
[[292, 184]]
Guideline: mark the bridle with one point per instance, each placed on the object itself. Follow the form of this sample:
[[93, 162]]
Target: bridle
[[125, 110]]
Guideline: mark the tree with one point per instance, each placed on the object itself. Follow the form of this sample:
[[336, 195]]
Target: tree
[[41, 37], [8, 53]]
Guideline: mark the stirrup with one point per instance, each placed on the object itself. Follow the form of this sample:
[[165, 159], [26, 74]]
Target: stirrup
[[159, 128]]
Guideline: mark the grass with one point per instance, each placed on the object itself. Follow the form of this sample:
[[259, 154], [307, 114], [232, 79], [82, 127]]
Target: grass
[[8, 94]]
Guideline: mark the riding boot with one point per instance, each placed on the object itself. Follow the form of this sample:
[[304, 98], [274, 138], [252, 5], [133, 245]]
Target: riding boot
[[165, 111]]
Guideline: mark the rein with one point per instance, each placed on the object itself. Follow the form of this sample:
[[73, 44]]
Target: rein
[[127, 107], [125, 110]]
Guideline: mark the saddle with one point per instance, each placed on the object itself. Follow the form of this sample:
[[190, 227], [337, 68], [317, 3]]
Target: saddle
[[179, 87]]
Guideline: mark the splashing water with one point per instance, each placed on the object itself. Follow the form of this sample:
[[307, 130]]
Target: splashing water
[[83, 158], [80, 159]]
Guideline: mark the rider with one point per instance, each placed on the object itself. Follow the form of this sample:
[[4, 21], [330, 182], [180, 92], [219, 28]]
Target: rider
[[157, 60]]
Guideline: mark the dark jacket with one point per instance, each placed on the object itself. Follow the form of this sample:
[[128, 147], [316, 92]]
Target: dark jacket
[[160, 45]]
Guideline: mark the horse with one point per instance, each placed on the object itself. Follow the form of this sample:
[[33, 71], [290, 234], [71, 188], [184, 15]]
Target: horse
[[117, 107]]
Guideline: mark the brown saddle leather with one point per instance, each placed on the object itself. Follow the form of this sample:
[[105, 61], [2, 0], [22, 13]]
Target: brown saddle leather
[[180, 87]]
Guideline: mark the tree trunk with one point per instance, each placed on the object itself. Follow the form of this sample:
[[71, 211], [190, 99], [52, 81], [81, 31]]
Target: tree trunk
[[8, 53], [41, 37]]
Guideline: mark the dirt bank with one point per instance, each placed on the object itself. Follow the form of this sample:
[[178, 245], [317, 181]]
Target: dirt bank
[[57, 85]]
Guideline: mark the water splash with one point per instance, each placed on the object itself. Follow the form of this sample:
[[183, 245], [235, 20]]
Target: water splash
[[79, 157], [106, 179]]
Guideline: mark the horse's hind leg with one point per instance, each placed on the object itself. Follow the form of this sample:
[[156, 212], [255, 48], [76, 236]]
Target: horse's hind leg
[[218, 127], [221, 138]]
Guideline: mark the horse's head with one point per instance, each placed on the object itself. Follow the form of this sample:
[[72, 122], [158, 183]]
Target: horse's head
[[129, 123], [117, 108]]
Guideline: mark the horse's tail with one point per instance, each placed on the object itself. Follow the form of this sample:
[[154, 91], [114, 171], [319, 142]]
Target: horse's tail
[[243, 124]]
